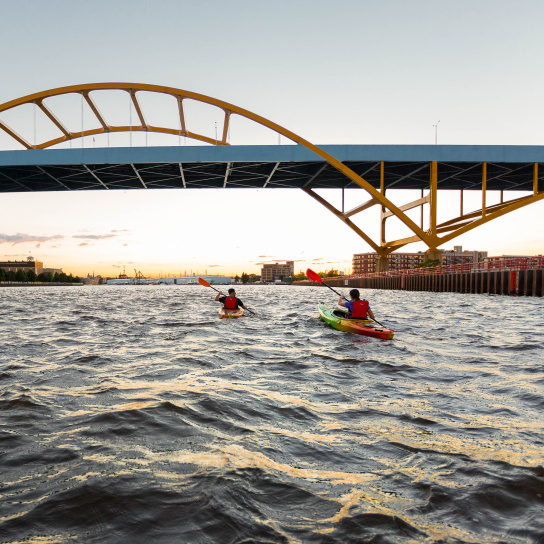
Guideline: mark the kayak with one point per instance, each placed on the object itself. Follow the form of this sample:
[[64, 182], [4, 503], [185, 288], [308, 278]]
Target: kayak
[[338, 320], [224, 313]]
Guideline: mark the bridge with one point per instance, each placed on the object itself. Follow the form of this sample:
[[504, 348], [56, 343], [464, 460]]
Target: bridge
[[374, 169]]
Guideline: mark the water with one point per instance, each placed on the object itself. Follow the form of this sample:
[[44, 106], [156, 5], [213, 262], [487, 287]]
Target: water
[[133, 414]]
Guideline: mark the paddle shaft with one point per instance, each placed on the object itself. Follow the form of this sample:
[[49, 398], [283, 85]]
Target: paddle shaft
[[334, 291], [204, 283], [246, 308], [312, 276], [342, 296]]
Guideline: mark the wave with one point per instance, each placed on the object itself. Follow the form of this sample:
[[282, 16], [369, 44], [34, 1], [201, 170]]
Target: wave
[[127, 418]]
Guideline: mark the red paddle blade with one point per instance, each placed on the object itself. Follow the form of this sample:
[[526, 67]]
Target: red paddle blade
[[203, 282], [313, 276]]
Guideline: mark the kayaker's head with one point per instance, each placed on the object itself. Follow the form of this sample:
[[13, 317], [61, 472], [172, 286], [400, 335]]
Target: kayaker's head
[[232, 292], [354, 294]]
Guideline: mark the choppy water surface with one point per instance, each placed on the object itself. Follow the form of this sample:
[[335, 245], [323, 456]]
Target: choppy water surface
[[133, 414]]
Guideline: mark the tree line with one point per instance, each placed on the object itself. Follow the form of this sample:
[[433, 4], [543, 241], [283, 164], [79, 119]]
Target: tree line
[[247, 278], [332, 273], [32, 277]]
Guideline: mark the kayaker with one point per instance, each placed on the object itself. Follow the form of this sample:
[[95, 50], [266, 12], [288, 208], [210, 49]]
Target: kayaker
[[230, 302], [357, 308]]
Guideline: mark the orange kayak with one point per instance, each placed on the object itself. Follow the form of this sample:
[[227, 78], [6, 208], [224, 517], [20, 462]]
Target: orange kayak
[[224, 313]]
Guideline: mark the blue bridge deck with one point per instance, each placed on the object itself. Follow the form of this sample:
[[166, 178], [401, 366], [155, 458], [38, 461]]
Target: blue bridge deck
[[509, 168]]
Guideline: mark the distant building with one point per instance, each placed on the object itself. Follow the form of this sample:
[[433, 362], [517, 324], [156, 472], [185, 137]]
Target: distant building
[[529, 260], [193, 280], [52, 271], [364, 263], [277, 271], [173, 280], [91, 279], [458, 256], [29, 264]]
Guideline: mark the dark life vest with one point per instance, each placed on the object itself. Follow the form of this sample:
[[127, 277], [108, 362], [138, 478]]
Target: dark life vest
[[230, 303], [360, 309]]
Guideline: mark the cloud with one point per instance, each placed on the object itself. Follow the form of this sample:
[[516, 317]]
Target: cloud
[[125, 245], [83, 244], [274, 261], [21, 238], [94, 236], [213, 265], [120, 230]]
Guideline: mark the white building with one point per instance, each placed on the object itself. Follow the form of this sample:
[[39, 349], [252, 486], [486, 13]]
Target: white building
[[180, 280]]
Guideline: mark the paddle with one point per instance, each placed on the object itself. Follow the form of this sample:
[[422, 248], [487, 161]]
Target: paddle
[[204, 283], [318, 279]]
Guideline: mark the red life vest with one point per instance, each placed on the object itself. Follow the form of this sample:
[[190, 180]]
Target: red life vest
[[360, 309], [230, 303]]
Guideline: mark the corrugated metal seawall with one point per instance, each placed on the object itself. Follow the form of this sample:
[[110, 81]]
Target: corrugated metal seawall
[[528, 282]]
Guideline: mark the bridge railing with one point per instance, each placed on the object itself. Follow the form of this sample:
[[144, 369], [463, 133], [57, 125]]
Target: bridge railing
[[511, 263]]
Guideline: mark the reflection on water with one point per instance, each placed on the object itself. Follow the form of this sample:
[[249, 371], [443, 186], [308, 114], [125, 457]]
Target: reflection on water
[[135, 414]]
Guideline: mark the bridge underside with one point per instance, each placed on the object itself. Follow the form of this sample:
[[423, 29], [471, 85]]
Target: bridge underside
[[508, 168], [374, 169]]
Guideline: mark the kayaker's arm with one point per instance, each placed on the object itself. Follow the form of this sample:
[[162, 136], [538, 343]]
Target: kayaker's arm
[[218, 295], [371, 313], [341, 301]]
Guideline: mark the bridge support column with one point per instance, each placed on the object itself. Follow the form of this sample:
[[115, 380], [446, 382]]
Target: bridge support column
[[433, 255], [382, 264]]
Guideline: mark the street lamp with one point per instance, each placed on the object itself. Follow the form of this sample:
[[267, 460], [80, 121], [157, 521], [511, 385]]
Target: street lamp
[[436, 132]]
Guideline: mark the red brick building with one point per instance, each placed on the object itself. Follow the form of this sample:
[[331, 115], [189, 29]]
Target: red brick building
[[277, 271], [364, 263]]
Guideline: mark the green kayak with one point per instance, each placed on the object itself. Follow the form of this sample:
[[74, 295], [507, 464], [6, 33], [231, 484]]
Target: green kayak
[[338, 320]]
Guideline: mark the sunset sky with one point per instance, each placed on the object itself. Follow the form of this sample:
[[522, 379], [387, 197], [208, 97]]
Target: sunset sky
[[343, 72]]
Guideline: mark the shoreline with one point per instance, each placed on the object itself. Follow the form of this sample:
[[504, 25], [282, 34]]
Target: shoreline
[[37, 284]]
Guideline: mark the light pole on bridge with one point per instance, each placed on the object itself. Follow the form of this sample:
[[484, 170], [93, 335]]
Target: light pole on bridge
[[436, 132]]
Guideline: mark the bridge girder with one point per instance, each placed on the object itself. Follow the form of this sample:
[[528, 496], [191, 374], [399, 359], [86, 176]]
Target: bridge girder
[[431, 237]]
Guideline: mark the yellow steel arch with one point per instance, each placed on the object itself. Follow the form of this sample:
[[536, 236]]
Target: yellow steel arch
[[430, 237]]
